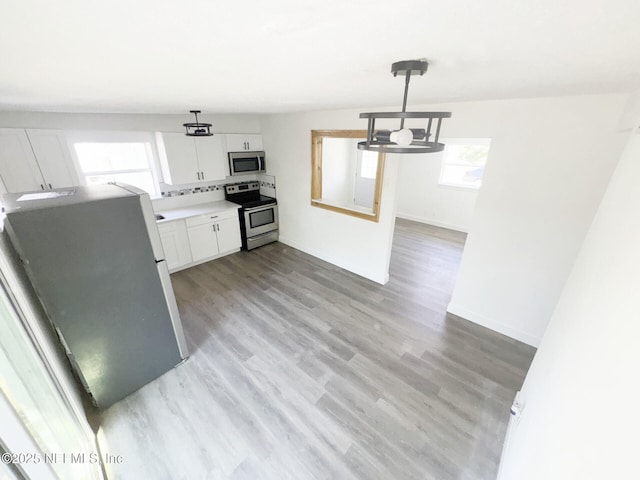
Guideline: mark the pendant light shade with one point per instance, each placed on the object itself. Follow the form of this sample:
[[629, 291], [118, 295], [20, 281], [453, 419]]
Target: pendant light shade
[[197, 129], [405, 140]]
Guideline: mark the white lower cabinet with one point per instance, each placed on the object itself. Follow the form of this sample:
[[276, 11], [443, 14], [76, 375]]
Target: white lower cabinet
[[193, 240], [175, 243], [213, 234]]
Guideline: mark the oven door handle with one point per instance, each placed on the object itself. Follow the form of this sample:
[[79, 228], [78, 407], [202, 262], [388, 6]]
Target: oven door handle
[[261, 207]]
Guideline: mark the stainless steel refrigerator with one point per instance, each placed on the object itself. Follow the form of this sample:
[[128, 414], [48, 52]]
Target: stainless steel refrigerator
[[94, 257]]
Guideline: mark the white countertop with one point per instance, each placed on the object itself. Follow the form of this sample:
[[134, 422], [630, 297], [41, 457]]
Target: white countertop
[[194, 210]]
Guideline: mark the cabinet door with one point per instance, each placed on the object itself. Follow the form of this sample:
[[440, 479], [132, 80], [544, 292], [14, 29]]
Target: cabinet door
[[18, 167], [203, 241], [243, 142], [254, 142], [178, 158], [53, 157], [229, 234], [211, 158], [170, 247], [175, 243]]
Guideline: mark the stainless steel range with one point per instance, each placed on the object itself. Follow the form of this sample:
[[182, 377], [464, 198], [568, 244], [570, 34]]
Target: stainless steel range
[[258, 215]]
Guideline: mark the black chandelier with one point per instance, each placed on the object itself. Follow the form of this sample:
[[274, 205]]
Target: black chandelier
[[197, 129], [405, 140]]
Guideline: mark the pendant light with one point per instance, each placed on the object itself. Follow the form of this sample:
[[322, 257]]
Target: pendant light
[[405, 140], [197, 129]]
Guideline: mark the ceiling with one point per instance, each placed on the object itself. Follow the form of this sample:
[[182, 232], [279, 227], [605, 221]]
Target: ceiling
[[251, 56]]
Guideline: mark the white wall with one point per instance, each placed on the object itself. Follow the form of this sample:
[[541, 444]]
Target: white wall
[[108, 121], [358, 245], [422, 199], [131, 122], [550, 162], [581, 418]]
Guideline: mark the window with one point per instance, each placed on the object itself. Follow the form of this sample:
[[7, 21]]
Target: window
[[463, 161], [125, 157], [368, 164]]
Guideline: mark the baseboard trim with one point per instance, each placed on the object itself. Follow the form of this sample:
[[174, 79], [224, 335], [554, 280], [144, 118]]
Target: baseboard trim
[[328, 258], [499, 327], [435, 223]]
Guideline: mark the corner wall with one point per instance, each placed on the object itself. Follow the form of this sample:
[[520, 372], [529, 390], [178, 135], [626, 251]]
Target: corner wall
[[357, 245], [550, 162], [580, 418], [421, 198]]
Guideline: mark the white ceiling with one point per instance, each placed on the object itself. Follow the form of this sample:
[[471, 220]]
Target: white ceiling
[[169, 56]]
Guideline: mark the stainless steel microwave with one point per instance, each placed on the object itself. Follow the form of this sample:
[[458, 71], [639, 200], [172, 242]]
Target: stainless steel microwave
[[242, 163]]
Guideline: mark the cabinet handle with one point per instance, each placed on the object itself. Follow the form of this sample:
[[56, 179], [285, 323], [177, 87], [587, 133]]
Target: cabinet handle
[[218, 225], [214, 217], [42, 186], [50, 187], [202, 175], [198, 173]]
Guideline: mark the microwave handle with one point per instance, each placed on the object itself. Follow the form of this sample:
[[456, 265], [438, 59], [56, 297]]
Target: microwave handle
[[261, 162]]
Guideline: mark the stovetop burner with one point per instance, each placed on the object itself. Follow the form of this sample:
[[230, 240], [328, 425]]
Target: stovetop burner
[[263, 200], [247, 194]]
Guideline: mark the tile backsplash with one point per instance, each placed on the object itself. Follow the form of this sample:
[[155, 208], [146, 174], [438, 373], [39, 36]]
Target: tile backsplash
[[190, 191], [266, 181], [267, 184], [178, 196]]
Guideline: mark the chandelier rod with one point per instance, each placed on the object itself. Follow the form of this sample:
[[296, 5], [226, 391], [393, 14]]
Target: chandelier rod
[[406, 94]]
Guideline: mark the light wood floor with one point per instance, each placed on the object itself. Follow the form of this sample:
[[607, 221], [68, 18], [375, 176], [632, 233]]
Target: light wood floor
[[301, 370]]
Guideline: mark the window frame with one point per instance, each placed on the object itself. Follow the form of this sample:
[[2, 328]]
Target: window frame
[[462, 141], [117, 136]]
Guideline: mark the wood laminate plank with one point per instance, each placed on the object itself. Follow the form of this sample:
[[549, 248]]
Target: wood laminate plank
[[302, 370]]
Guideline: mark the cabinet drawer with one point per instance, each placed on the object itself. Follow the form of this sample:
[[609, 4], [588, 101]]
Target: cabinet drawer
[[167, 227], [210, 217]]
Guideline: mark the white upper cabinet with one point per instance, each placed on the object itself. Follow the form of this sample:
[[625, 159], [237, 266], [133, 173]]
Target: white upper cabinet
[[211, 157], [190, 159], [18, 166], [178, 158], [35, 160], [240, 142], [53, 157]]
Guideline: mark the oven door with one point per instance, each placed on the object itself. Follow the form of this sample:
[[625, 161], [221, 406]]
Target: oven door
[[259, 220]]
